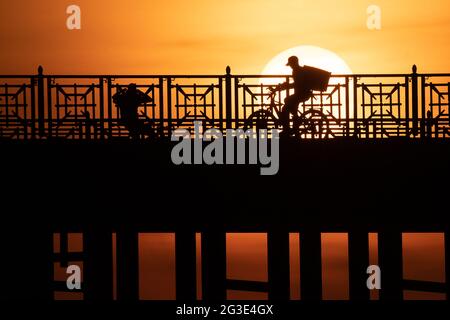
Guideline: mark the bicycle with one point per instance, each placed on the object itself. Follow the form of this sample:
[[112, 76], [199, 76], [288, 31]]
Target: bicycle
[[310, 123]]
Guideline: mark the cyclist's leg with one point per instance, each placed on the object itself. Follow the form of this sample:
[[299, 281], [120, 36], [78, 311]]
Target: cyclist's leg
[[290, 107], [296, 115]]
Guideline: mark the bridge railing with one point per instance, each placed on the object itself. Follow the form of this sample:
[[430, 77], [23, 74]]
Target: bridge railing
[[360, 105]]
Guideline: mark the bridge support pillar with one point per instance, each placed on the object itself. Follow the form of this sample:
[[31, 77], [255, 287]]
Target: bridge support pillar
[[214, 265], [185, 257], [278, 265], [127, 265], [311, 265], [98, 264], [358, 255], [390, 260]]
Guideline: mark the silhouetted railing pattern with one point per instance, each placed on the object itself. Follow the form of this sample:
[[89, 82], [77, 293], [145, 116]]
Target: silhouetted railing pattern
[[363, 106]]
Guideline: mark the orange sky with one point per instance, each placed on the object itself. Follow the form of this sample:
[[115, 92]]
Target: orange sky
[[202, 36]]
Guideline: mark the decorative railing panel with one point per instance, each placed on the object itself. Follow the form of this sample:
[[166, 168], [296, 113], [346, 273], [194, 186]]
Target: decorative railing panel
[[17, 108]]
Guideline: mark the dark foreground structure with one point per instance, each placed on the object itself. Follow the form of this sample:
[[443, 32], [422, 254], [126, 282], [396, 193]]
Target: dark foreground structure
[[373, 158]]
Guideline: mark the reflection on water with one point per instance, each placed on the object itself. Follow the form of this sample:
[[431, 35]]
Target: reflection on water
[[423, 256], [423, 259], [335, 266], [157, 266]]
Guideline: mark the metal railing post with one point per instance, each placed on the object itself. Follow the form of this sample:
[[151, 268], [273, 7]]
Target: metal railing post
[[40, 102], [102, 110], [169, 106], [228, 112], [415, 101]]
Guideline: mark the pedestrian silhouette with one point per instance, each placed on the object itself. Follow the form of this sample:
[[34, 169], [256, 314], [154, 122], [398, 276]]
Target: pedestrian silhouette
[[128, 100], [306, 79]]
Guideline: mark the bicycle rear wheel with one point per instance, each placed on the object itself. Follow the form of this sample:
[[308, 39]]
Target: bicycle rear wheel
[[262, 119], [311, 124]]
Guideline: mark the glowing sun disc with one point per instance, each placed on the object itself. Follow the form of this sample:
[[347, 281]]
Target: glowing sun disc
[[308, 55]]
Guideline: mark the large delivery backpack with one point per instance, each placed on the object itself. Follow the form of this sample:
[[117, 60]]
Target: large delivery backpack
[[316, 79]]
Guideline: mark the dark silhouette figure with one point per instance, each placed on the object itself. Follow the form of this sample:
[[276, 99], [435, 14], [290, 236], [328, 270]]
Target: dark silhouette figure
[[128, 100], [302, 92]]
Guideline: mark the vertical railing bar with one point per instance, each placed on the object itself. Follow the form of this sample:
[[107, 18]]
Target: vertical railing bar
[[213, 106], [75, 102], [154, 105], [91, 117], [381, 114], [16, 107], [261, 95], [236, 102], [92, 100], [195, 101], [431, 86], [161, 104], [49, 106], [363, 107], [221, 102], [169, 106], [228, 104], [448, 103], [33, 107], [102, 107], [244, 103], [6, 104], [347, 105], [415, 100], [204, 104], [355, 103], [58, 109], [339, 104], [423, 107], [41, 103], [407, 106], [25, 110], [177, 103], [430, 113], [109, 106]]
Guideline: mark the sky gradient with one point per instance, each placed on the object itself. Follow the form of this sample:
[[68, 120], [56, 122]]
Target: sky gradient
[[200, 36]]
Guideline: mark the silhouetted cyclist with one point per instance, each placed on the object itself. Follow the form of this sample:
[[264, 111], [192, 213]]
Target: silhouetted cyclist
[[128, 101], [302, 92]]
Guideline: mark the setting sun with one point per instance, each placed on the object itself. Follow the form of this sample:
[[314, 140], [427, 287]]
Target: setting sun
[[308, 55]]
